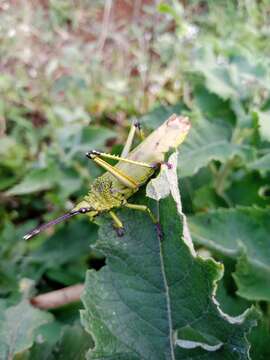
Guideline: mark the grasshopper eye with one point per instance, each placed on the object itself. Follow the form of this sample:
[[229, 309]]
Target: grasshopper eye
[[84, 210], [88, 154], [92, 153]]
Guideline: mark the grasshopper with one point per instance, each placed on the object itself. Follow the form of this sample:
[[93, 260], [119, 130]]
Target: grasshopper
[[113, 189]]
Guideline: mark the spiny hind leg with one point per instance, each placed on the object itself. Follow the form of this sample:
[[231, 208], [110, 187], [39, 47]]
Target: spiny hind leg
[[117, 224], [125, 179], [138, 126], [93, 154]]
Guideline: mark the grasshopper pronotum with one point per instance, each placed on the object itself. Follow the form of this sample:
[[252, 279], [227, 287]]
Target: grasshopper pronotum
[[113, 188]]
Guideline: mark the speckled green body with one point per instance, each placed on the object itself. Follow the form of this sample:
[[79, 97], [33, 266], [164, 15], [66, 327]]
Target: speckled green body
[[107, 192]]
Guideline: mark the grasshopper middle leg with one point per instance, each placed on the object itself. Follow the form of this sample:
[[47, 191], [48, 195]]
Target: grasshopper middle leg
[[118, 225]]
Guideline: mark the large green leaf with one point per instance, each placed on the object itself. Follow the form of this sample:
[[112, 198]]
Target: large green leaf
[[18, 326], [207, 141], [78, 139], [229, 78], [158, 115], [238, 194], [60, 257], [217, 77], [61, 247], [55, 341], [259, 337], [212, 106], [36, 180], [73, 344], [241, 234], [154, 299]]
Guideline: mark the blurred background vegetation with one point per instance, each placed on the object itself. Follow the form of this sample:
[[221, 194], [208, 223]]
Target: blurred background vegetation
[[73, 74]]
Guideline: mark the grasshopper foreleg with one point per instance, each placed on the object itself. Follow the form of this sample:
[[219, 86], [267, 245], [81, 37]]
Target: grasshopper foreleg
[[138, 126], [135, 125]]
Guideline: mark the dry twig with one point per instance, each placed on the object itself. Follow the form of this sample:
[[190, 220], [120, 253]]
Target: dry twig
[[57, 298]]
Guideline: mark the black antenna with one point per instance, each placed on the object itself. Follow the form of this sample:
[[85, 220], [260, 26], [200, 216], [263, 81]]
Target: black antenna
[[43, 227]]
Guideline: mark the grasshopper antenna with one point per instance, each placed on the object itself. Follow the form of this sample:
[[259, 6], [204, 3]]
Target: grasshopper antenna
[[64, 217]]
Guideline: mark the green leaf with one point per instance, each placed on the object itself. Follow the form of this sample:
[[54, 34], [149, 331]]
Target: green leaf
[[206, 141], [78, 139], [262, 164], [218, 78], [69, 274], [69, 342], [205, 198], [241, 234], [46, 337], [61, 247], [73, 344], [12, 251], [18, 326], [34, 181], [253, 284], [233, 78], [212, 106], [12, 154], [154, 299], [260, 340], [230, 303], [158, 115], [259, 336], [238, 194]]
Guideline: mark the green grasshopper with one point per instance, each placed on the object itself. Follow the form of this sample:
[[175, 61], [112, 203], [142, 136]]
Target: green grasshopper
[[113, 189]]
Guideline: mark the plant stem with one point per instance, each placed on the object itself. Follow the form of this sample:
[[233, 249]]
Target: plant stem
[[55, 299]]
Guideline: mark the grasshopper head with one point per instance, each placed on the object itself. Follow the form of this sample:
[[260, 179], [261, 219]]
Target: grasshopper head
[[83, 207]]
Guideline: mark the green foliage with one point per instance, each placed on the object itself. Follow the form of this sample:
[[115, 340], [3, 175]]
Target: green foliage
[[69, 84], [71, 344], [207, 141], [18, 325], [239, 234], [142, 268]]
